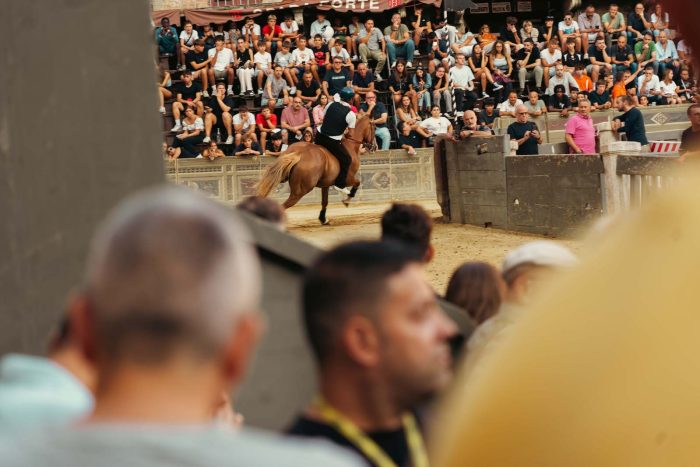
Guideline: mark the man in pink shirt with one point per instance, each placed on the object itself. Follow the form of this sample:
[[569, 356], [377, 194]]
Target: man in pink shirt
[[295, 119], [580, 132]]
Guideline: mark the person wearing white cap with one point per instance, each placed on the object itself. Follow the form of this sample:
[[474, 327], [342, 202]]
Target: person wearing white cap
[[523, 269]]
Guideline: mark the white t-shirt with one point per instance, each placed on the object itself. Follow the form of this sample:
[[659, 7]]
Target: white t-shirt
[[302, 56], [342, 54], [445, 32], [653, 85], [262, 59], [568, 29], [655, 18], [668, 89], [461, 76], [224, 34], [189, 39], [550, 57], [506, 107], [197, 125], [289, 29], [352, 29], [325, 29], [282, 59], [437, 126], [223, 59], [246, 124], [256, 29], [684, 47]]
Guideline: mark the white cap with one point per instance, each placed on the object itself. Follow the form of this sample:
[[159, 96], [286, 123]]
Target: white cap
[[541, 253]]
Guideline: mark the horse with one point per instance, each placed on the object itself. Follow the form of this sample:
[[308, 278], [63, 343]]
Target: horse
[[308, 165]]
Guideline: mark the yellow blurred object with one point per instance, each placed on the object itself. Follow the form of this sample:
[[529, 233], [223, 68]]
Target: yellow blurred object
[[604, 368]]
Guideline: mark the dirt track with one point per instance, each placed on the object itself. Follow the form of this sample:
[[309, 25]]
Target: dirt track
[[454, 244]]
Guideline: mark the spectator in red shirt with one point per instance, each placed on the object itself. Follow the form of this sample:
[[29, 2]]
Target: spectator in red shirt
[[271, 35], [267, 124]]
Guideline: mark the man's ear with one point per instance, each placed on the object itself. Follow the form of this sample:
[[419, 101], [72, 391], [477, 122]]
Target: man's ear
[[360, 341], [429, 254], [82, 326], [239, 352]]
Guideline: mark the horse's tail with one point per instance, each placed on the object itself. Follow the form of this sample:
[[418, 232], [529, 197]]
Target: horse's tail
[[277, 172]]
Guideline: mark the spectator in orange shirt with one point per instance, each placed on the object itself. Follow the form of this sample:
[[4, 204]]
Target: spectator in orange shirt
[[623, 79], [585, 84]]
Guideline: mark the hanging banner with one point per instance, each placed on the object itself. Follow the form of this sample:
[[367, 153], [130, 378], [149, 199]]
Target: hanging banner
[[481, 8], [221, 15], [524, 7], [500, 7]]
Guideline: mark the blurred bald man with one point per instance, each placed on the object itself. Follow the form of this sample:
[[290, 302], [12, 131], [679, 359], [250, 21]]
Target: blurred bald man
[[169, 317]]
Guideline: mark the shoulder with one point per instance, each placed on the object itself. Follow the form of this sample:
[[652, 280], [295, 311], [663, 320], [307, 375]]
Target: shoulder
[[146, 446]]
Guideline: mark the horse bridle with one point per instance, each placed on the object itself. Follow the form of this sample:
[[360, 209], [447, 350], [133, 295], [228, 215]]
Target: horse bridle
[[369, 146]]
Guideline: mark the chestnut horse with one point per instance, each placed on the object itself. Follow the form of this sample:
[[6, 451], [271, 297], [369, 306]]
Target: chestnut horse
[[308, 165]]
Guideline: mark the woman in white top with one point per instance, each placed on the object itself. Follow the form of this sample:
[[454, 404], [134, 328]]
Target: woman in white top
[[659, 20], [464, 42], [500, 63], [185, 144], [530, 32], [669, 88], [434, 125]]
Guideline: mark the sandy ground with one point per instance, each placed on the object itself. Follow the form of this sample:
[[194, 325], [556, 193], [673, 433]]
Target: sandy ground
[[454, 243]]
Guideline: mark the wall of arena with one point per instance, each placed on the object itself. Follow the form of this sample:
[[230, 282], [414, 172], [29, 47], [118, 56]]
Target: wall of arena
[[549, 194], [385, 176]]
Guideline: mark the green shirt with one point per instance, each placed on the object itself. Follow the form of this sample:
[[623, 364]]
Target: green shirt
[[638, 49], [397, 34], [616, 23]]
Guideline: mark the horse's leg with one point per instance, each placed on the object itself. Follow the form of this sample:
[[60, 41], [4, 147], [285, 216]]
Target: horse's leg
[[324, 204], [353, 192], [292, 199]]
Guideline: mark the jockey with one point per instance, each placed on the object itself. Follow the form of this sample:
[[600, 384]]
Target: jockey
[[336, 121]]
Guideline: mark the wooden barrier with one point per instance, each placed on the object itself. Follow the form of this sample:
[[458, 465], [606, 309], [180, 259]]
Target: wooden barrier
[[385, 176], [630, 180]]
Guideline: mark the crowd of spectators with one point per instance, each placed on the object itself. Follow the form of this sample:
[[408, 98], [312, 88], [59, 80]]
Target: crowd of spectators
[[423, 63], [149, 350]]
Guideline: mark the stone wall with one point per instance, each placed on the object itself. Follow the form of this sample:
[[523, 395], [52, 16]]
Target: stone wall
[[385, 176]]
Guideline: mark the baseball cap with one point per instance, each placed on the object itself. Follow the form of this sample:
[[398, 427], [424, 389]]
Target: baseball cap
[[541, 253]]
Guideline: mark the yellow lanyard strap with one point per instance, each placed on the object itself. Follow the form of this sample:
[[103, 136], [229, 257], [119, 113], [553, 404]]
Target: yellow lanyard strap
[[366, 445]]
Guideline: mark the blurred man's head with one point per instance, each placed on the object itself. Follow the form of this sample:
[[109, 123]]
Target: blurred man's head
[[530, 264], [265, 208], [410, 225], [171, 288], [374, 324]]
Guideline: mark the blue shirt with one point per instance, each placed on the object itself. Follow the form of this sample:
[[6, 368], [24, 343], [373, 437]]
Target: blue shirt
[[35, 391]]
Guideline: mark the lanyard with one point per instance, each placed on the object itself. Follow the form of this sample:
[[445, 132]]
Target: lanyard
[[364, 443]]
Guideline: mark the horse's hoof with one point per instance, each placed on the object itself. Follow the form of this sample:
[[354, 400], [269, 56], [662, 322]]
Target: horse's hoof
[[325, 222], [346, 202]]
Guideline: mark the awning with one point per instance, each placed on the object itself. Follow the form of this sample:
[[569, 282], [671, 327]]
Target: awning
[[172, 15], [221, 15]]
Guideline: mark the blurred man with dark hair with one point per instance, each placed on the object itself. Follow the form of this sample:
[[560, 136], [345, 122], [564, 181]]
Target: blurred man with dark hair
[[410, 225], [169, 317], [51, 391], [264, 208], [381, 344], [690, 138]]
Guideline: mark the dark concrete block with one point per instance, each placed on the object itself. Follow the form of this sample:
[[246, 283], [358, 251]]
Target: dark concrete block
[[73, 142]]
